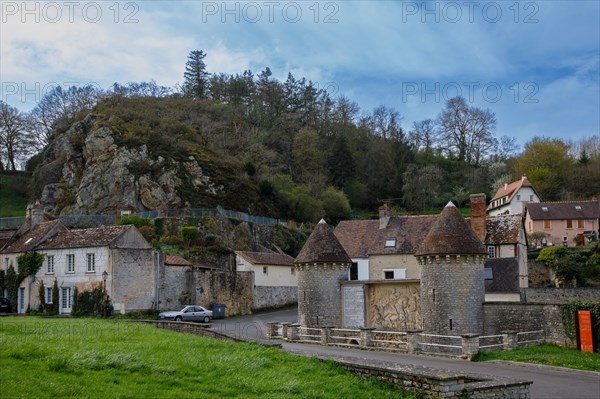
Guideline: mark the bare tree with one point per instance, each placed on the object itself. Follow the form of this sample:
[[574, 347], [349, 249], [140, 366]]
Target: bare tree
[[15, 139], [58, 105], [467, 131], [424, 135]]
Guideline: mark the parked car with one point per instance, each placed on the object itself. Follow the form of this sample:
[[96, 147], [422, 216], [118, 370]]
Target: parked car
[[5, 306], [189, 313]]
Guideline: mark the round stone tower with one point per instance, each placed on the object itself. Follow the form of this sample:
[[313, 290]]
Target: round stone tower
[[452, 278], [321, 264]]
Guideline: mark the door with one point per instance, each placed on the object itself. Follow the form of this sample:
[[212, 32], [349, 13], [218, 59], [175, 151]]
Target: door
[[66, 300]]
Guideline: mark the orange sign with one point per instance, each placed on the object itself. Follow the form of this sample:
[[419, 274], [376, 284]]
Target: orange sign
[[586, 342]]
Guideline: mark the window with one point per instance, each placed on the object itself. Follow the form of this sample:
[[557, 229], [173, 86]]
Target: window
[[545, 209], [578, 207], [50, 264], [6, 260], [91, 262], [390, 243], [394, 274], [488, 274], [491, 251], [581, 224], [569, 224], [21, 296], [48, 295], [293, 270], [531, 198], [518, 197], [66, 298], [354, 271], [546, 224], [265, 270], [70, 263]]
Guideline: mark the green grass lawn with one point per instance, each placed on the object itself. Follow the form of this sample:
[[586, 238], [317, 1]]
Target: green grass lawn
[[551, 355], [14, 195], [99, 358]]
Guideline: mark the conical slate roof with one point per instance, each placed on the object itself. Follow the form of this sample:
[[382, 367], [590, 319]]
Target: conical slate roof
[[451, 235], [322, 247]]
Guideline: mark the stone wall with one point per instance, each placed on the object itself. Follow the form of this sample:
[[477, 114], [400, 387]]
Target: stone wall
[[452, 294], [174, 287], [273, 297], [522, 317], [442, 383], [559, 295], [233, 289], [320, 294], [393, 305], [133, 281]]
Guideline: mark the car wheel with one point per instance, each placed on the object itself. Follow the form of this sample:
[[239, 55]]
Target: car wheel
[[178, 318], [206, 319]]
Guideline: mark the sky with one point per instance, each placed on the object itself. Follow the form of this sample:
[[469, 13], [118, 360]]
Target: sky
[[536, 64]]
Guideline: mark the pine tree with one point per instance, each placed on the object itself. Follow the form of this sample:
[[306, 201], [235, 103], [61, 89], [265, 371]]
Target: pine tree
[[195, 82]]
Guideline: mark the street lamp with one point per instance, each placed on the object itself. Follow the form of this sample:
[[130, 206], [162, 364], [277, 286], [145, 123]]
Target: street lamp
[[104, 277]]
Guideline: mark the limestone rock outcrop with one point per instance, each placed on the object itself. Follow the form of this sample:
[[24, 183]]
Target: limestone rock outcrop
[[91, 172]]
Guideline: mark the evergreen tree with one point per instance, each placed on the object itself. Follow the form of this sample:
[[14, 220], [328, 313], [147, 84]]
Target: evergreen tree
[[195, 82]]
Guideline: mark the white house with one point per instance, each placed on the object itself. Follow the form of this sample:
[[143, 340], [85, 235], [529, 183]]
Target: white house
[[78, 259], [275, 280], [511, 198]]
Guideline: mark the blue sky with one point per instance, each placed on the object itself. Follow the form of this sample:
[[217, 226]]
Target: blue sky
[[535, 64]]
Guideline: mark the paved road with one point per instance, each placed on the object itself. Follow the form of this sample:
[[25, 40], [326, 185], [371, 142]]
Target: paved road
[[548, 382]]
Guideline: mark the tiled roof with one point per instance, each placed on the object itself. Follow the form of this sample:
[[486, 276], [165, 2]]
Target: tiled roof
[[33, 237], [505, 273], [361, 238], [267, 258], [95, 237], [322, 247], [451, 235], [502, 229], [176, 260], [6, 235], [564, 210], [510, 190]]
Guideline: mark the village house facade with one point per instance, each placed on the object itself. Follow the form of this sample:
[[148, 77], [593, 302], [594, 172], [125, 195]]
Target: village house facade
[[77, 259], [511, 199], [385, 249], [563, 223]]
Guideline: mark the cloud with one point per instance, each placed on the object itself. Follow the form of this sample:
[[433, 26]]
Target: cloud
[[373, 52]]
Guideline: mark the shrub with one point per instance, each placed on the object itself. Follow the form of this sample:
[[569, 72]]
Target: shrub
[[135, 220], [171, 240], [189, 234], [335, 204]]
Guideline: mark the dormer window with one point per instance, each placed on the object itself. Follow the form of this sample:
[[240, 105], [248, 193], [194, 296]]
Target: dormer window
[[545, 208], [578, 207], [390, 243]]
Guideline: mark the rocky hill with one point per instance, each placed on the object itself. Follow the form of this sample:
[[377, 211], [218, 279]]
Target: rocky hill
[[91, 168]]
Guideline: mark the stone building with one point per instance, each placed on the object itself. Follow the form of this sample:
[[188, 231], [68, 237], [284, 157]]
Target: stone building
[[321, 265], [452, 261], [77, 259], [275, 280]]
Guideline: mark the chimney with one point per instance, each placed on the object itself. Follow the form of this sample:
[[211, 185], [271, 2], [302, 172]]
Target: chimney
[[523, 178], [505, 186], [384, 216], [478, 215], [35, 213]]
